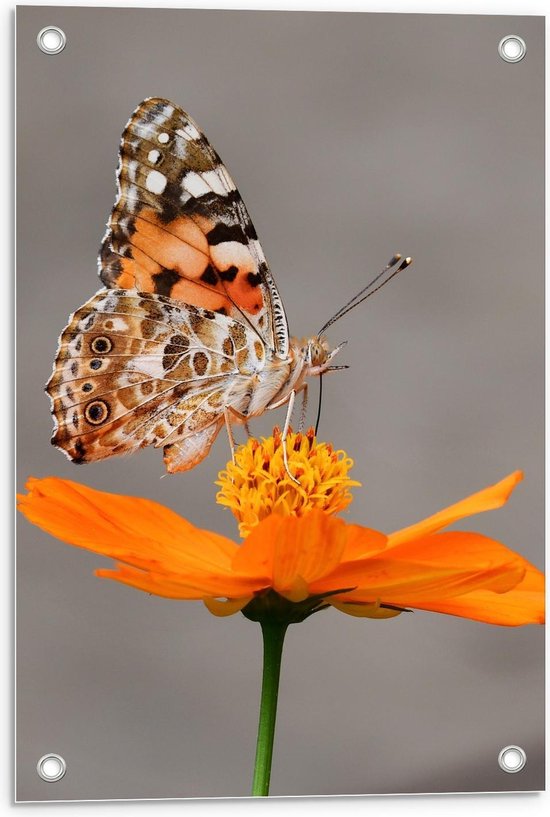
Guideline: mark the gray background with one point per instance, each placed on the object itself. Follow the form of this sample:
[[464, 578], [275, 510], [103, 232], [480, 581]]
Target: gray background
[[350, 136]]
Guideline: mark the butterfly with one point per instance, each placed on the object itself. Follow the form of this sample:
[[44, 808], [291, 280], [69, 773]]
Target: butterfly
[[189, 332]]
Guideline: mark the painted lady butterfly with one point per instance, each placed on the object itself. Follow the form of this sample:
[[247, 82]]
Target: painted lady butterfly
[[189, 332]]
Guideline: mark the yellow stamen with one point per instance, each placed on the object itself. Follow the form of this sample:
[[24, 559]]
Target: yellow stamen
[[257, 484]]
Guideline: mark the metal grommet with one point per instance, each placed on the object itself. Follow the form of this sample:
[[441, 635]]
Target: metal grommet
[[512, 48], [51, 767], [51, 40], [512, 759]]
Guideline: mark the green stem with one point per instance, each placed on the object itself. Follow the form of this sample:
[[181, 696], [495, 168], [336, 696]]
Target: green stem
[[273, 636]]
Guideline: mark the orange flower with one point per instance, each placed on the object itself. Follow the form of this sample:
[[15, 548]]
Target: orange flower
[[304, 562]]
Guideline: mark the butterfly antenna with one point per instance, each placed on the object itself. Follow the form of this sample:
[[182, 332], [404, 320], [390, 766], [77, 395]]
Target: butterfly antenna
[[367, 291], [394, 260], [318, 420]]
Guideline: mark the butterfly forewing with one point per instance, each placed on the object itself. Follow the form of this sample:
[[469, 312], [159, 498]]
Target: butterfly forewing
[[180, 229]]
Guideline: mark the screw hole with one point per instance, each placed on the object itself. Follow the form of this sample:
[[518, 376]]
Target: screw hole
[[512, 48], [51, 40], [51, 767], [512, 759]]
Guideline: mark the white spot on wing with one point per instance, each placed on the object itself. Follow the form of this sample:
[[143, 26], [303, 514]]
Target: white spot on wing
[[232, 253], [131, 170], [215, 182], [155, 182], [119, 324], [228, 181], [163, 138], [166, 113], [195, 184], [189, 132], [183, 134], [73, 344], [131, 198], [153, 156], [144, 130], [147, 365]]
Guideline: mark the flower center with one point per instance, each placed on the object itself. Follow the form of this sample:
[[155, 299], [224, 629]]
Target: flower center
[[257, 484]]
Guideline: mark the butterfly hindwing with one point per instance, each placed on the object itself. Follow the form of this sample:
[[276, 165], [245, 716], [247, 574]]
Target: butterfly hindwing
[[185, 454], [179, 227], [136, 369]]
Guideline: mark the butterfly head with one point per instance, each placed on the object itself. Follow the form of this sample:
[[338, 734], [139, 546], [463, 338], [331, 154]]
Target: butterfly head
[[317, 355]]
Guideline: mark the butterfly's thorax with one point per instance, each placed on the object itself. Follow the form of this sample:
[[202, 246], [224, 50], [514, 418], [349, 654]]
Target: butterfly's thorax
[[272, 380], [275, 378]]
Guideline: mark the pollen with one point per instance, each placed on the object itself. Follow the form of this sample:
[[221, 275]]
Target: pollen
[[256, 484]]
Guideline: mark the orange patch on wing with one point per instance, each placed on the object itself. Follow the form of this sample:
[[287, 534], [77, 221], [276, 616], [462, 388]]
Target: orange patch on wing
[[183, 228], [171, 250], [142, 260], [186, 230], [249, 298], [181, 246], [199, 295], [127, 277]]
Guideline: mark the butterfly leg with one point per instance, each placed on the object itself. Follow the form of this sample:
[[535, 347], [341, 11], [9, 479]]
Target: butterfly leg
[[229, 411], [291, 400], [231, 438], [303, 410]]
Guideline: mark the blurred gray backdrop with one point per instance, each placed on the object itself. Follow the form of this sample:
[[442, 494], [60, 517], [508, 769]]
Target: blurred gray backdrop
[[350, 136]]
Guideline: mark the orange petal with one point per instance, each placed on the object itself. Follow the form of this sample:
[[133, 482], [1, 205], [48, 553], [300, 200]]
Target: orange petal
[[226, 608], [255, 556], [294, 589], [437, 567], [127, 528], [486, 500], [186, 586], [363, 542], [145, 581], [365, 610], [291, 552], [522, 605]]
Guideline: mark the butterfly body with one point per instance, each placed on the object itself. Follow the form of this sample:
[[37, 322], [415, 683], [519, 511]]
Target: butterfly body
[[272, 385]]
